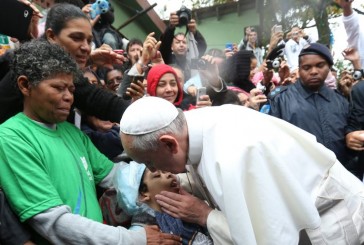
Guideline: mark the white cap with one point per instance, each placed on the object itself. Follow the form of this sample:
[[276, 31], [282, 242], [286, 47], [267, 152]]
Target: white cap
[[147, 115]]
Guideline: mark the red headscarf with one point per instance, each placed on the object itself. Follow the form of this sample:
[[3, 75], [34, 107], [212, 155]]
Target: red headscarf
[[155, 74]]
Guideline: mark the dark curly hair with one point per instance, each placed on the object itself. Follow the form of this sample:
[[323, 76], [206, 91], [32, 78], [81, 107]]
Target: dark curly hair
[[39, 60]]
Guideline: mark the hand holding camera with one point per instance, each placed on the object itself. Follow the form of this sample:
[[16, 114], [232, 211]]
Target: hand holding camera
[[182, 17], [272, 60], [202, 99], [173, 19], [257, 98]]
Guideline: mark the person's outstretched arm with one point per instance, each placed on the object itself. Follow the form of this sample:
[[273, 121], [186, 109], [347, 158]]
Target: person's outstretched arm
[[98, 102]]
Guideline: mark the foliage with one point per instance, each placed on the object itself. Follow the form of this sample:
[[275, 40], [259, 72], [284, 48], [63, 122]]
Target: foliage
[[289, 13], [196, 4]]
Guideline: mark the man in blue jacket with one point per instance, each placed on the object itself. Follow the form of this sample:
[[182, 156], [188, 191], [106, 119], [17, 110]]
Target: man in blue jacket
[[312, 106]]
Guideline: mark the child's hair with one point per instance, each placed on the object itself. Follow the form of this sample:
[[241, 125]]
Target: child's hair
[[143, 186]]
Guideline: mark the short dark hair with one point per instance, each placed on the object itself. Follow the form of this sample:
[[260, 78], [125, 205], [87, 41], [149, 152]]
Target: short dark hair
[[60, 14], [39, 60], [132, 42], [78, 3]]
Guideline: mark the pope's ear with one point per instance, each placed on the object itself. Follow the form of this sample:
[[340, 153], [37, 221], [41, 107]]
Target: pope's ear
[[24, 85], [170, 142]]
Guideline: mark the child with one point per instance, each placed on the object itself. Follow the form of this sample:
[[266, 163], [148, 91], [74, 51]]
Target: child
[[137, 187]]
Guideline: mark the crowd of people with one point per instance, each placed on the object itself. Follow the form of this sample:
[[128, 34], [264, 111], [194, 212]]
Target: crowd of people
[[105, 140]]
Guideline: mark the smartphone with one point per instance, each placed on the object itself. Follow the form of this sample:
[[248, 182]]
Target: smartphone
[[135, 79], [278, 28], [119, 51], [18, 17], [200, 91], [229, 46]]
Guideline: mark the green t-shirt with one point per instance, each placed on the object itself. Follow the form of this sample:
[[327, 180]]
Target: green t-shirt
[[41, 168]]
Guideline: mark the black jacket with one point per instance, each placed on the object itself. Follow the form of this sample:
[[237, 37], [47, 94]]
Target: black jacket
[[356, 117], [87, 97]]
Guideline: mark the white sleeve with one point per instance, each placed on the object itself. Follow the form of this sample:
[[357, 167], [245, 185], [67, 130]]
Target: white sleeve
[[355, 34], [134, 71], [351, 24], [290, 56], [218, 228], [59, 226]]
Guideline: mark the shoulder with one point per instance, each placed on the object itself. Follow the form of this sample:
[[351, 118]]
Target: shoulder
[[69, 128], [339, 95], [359, 86], [277, 92], [13, 123]]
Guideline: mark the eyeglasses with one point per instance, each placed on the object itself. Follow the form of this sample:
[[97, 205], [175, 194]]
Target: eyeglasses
[[114, 80]]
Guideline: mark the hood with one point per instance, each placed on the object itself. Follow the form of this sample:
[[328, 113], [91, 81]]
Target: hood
[[155, 75]]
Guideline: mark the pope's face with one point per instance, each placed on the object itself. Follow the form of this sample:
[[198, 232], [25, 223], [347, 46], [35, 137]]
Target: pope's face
[[164, 158]]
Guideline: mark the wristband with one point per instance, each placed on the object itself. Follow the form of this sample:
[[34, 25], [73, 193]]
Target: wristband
[[144, 67]]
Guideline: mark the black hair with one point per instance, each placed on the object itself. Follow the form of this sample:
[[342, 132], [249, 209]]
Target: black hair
[[78, 3], [88, 69], [237, 70], [142, 186], [60, 14], [114, 68], [39, 60], [132, 42], [226, 97], [179, 34]]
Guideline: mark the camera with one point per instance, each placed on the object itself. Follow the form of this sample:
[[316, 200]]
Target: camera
[[199, 64], [273, 64], [277, 28], [358, 74], [184, 15]]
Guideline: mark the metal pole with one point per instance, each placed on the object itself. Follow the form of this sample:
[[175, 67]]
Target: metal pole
[[136, 16]]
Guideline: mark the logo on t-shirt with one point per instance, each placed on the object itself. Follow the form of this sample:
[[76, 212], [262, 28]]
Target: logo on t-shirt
[[85, 165]]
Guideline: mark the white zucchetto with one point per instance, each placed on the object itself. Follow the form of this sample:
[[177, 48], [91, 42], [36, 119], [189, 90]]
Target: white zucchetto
[[147, 115]]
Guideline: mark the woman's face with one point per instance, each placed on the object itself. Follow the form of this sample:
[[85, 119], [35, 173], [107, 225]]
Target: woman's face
[[50, 101], [113, 80], [76, 38], [167, 87], [91, 77]]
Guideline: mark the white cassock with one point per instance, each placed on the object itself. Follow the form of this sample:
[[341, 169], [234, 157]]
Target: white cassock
[[271, 179]]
